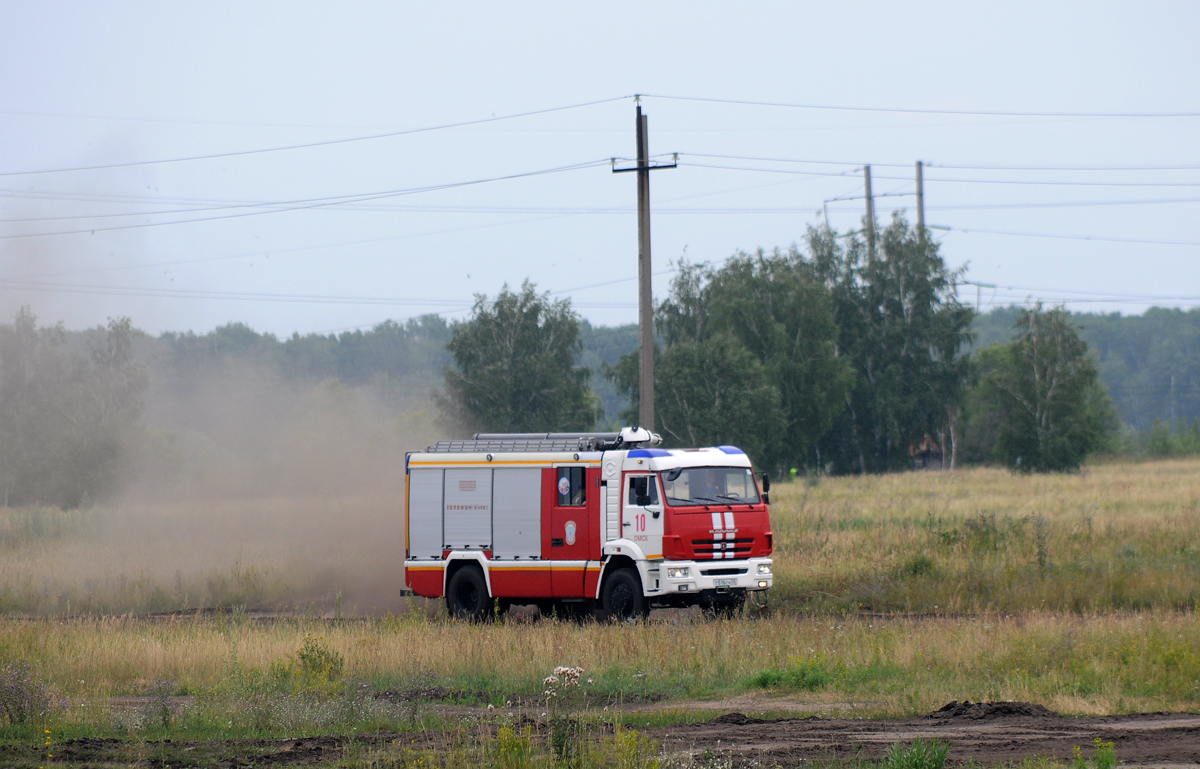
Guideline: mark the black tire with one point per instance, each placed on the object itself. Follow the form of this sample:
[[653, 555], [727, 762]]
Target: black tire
[[467, 595], [621, 597]]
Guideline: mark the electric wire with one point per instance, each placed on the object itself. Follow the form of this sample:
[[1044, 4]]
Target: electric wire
[[309, 145], [321, 202], [922, 111]]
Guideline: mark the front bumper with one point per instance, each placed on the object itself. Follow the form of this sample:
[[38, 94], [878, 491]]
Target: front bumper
[[709, 577]]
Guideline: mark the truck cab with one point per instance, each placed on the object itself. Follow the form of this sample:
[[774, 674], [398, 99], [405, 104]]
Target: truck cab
[[584, 523]]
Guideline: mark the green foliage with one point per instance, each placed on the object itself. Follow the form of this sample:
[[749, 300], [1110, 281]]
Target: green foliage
[[313, 669], [749, 359], [514, 367], [803, 674], [1150, 362], [1104, 756], [921, 754], [65, 419], [716, 392], [1040, 398], [906, 335]]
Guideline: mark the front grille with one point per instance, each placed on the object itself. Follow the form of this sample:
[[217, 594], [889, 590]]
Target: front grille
[[722, 572], [722, 547]]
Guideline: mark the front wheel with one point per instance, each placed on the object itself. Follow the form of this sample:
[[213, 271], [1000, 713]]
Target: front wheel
[[621, 598], [467, 595]]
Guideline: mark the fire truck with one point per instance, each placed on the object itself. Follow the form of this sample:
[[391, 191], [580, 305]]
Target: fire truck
[[603, 524]]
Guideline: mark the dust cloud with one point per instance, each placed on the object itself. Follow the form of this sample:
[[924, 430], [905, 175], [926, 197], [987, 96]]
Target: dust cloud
[[288, 495], [242, 490]]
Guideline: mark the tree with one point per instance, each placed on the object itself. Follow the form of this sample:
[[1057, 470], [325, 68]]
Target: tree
[[906, 335], [64, 421], [750, 358], [715, 393], [1042, 392], [514, 367]]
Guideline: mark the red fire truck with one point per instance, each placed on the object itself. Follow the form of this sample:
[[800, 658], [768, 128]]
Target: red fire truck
[[576, 522]]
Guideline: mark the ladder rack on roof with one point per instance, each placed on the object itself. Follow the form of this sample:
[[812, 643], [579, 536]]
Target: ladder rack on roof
[[546, 442], [505, 446]]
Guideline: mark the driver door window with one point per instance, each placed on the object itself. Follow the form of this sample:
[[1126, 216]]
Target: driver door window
[[643, 491]]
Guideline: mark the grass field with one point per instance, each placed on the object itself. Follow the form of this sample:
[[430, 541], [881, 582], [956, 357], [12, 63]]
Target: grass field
[[894, 595], [1114, 537]]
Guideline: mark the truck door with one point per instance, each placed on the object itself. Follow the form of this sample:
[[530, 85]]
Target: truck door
[[574, 521], [642, 513]]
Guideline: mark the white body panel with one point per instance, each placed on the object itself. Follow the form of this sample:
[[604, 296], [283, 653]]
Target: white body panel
[[425, 514], [517, 513], [467, 524]]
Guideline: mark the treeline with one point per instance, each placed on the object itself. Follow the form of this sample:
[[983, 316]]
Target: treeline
[[1150, 363], [844, 356], [65, 415], [851, 357]]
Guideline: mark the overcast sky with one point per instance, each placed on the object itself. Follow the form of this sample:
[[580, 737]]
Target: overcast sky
[[343, 235]]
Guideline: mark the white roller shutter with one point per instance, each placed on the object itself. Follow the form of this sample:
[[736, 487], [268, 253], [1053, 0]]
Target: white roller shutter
[[517, 513], [468, 509], [425, 513]]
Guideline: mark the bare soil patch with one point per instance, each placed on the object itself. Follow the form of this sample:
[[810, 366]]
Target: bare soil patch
[[986, 732]]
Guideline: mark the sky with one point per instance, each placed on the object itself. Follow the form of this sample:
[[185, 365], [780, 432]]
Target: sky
[[307, 167]]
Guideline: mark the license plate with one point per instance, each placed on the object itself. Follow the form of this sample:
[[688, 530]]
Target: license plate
[[724, 582]]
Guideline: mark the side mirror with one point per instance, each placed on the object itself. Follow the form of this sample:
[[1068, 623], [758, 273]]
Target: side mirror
[[766, 487], [642, 499]]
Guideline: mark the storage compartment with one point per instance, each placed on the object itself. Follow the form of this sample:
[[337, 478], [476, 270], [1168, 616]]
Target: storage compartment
[[517, 514], [424, 513], [467, 522]]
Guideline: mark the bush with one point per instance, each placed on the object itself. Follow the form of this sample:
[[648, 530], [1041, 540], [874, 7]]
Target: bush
[[807, 674], [23, 697], [919, 755]]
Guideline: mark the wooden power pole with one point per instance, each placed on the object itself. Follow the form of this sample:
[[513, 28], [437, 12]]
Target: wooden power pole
[[645, 288], [870, 223], [920, 201]]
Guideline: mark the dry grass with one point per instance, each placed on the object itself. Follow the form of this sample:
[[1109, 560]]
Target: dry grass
[[1114, 537], [1101, 664], [1062, 590]]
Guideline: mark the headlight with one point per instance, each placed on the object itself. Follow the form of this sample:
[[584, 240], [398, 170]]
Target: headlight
[[678, 572], [764, 568]]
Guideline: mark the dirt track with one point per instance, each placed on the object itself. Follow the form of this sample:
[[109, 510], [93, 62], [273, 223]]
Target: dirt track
[[989, 732]]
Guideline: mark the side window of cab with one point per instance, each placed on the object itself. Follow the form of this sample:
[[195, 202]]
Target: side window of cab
[[643, 491], [572, 487]]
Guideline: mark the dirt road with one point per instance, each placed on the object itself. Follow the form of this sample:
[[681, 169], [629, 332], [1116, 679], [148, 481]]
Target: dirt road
[[988, 732]]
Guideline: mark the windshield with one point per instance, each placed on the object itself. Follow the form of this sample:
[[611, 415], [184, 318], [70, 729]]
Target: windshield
[[710, 486]]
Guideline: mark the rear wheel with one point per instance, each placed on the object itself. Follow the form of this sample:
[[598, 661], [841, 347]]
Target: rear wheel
[[467, 595], [621, 598]]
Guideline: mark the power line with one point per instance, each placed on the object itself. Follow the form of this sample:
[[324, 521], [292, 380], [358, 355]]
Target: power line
[[944, 165], [308, 145], [151, 293], [321, 202], [1098, 238], [1033, 182], [1046, 204], [919, 111], [1094, 294]]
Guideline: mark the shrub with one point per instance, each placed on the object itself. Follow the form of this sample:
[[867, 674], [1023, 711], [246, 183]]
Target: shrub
[[806, 674], [23, 697], [919, 755]]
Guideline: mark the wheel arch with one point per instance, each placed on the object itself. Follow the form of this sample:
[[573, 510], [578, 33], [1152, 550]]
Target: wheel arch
[[612, 564], [458, 561]]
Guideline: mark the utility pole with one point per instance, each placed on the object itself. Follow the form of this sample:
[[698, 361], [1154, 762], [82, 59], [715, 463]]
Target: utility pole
[[920, 201], [645, 289], [870, 213]]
